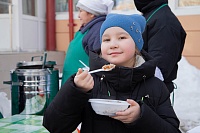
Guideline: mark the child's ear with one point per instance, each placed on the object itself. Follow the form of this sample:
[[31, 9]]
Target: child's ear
[[100, 54], [137, 52], [92, 15]]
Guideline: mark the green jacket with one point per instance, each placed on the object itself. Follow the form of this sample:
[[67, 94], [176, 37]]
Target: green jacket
[[71, 62]]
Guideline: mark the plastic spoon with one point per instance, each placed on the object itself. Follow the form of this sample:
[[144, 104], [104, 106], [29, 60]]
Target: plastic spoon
[[85, 66], [104, 68]]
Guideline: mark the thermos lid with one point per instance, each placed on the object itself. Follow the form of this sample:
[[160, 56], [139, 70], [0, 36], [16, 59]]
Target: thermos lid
[[35, 64]]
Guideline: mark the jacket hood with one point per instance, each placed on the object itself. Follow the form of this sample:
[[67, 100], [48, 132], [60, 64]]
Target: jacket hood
[[148, 5], [83, 29], [123, 78]]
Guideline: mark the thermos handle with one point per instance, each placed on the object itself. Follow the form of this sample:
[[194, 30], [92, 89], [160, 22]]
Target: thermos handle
[[44, 62], [41, 58], [13, 83], [7, 82]]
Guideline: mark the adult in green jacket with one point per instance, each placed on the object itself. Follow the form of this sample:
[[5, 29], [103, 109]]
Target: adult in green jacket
[[92, 14]]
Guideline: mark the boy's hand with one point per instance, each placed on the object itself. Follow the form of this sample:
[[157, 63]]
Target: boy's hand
[[84, 80]]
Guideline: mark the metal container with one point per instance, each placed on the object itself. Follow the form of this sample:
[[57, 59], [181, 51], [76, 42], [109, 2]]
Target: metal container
[[33, 86]]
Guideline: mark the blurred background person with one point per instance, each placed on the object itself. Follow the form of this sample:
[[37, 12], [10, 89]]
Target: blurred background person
[[164, 37], [92, 13]]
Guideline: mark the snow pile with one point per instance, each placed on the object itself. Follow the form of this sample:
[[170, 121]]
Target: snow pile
[[5, 107], [187, 96], [194, 130]]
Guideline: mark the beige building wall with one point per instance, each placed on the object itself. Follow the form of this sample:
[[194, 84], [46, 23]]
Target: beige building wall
[[190, 23], [62, 34], [191, 51]]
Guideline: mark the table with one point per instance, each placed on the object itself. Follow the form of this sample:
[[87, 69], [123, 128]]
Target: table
[[23, 124]]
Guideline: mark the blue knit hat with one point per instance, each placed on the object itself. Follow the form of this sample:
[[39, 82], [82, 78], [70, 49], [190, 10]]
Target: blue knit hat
[[133, 24]]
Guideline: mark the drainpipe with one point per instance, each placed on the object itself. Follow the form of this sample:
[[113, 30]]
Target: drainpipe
[[71, 20], [50, 26]]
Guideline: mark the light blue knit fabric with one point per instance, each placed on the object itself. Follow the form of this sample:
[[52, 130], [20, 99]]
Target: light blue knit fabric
[[133, 24]]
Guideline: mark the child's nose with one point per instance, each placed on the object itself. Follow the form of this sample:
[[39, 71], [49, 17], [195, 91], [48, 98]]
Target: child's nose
[[114, 44]]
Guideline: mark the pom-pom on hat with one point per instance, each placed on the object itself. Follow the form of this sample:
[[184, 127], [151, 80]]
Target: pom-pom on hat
[[133, 24], [96, 7]]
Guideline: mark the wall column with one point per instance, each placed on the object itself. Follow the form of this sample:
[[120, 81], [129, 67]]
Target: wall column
[[71, 20], [50, 25]]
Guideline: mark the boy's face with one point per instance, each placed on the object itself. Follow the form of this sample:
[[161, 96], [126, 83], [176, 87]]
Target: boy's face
[[85, 17], [118, 47]]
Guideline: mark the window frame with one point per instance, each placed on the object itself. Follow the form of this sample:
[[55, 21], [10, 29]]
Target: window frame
[[180, 11]]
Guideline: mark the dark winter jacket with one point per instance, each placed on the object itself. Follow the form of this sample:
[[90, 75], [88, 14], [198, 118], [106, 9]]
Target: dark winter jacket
[[71, 107], [164, 37], [91, 41]]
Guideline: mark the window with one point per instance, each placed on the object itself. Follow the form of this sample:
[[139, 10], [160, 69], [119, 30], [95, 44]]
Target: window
[[4, 6], [62, 5], [125, 5], [29, 7], [185, 3]]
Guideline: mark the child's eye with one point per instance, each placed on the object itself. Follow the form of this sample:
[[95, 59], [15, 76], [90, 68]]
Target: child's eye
[[106, 40], [122, 37]]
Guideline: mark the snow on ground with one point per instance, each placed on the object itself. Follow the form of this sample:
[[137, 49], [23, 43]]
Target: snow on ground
[[187, 96]]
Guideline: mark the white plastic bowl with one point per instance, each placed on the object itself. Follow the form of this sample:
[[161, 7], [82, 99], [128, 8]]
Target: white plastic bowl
[[108, 107]]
